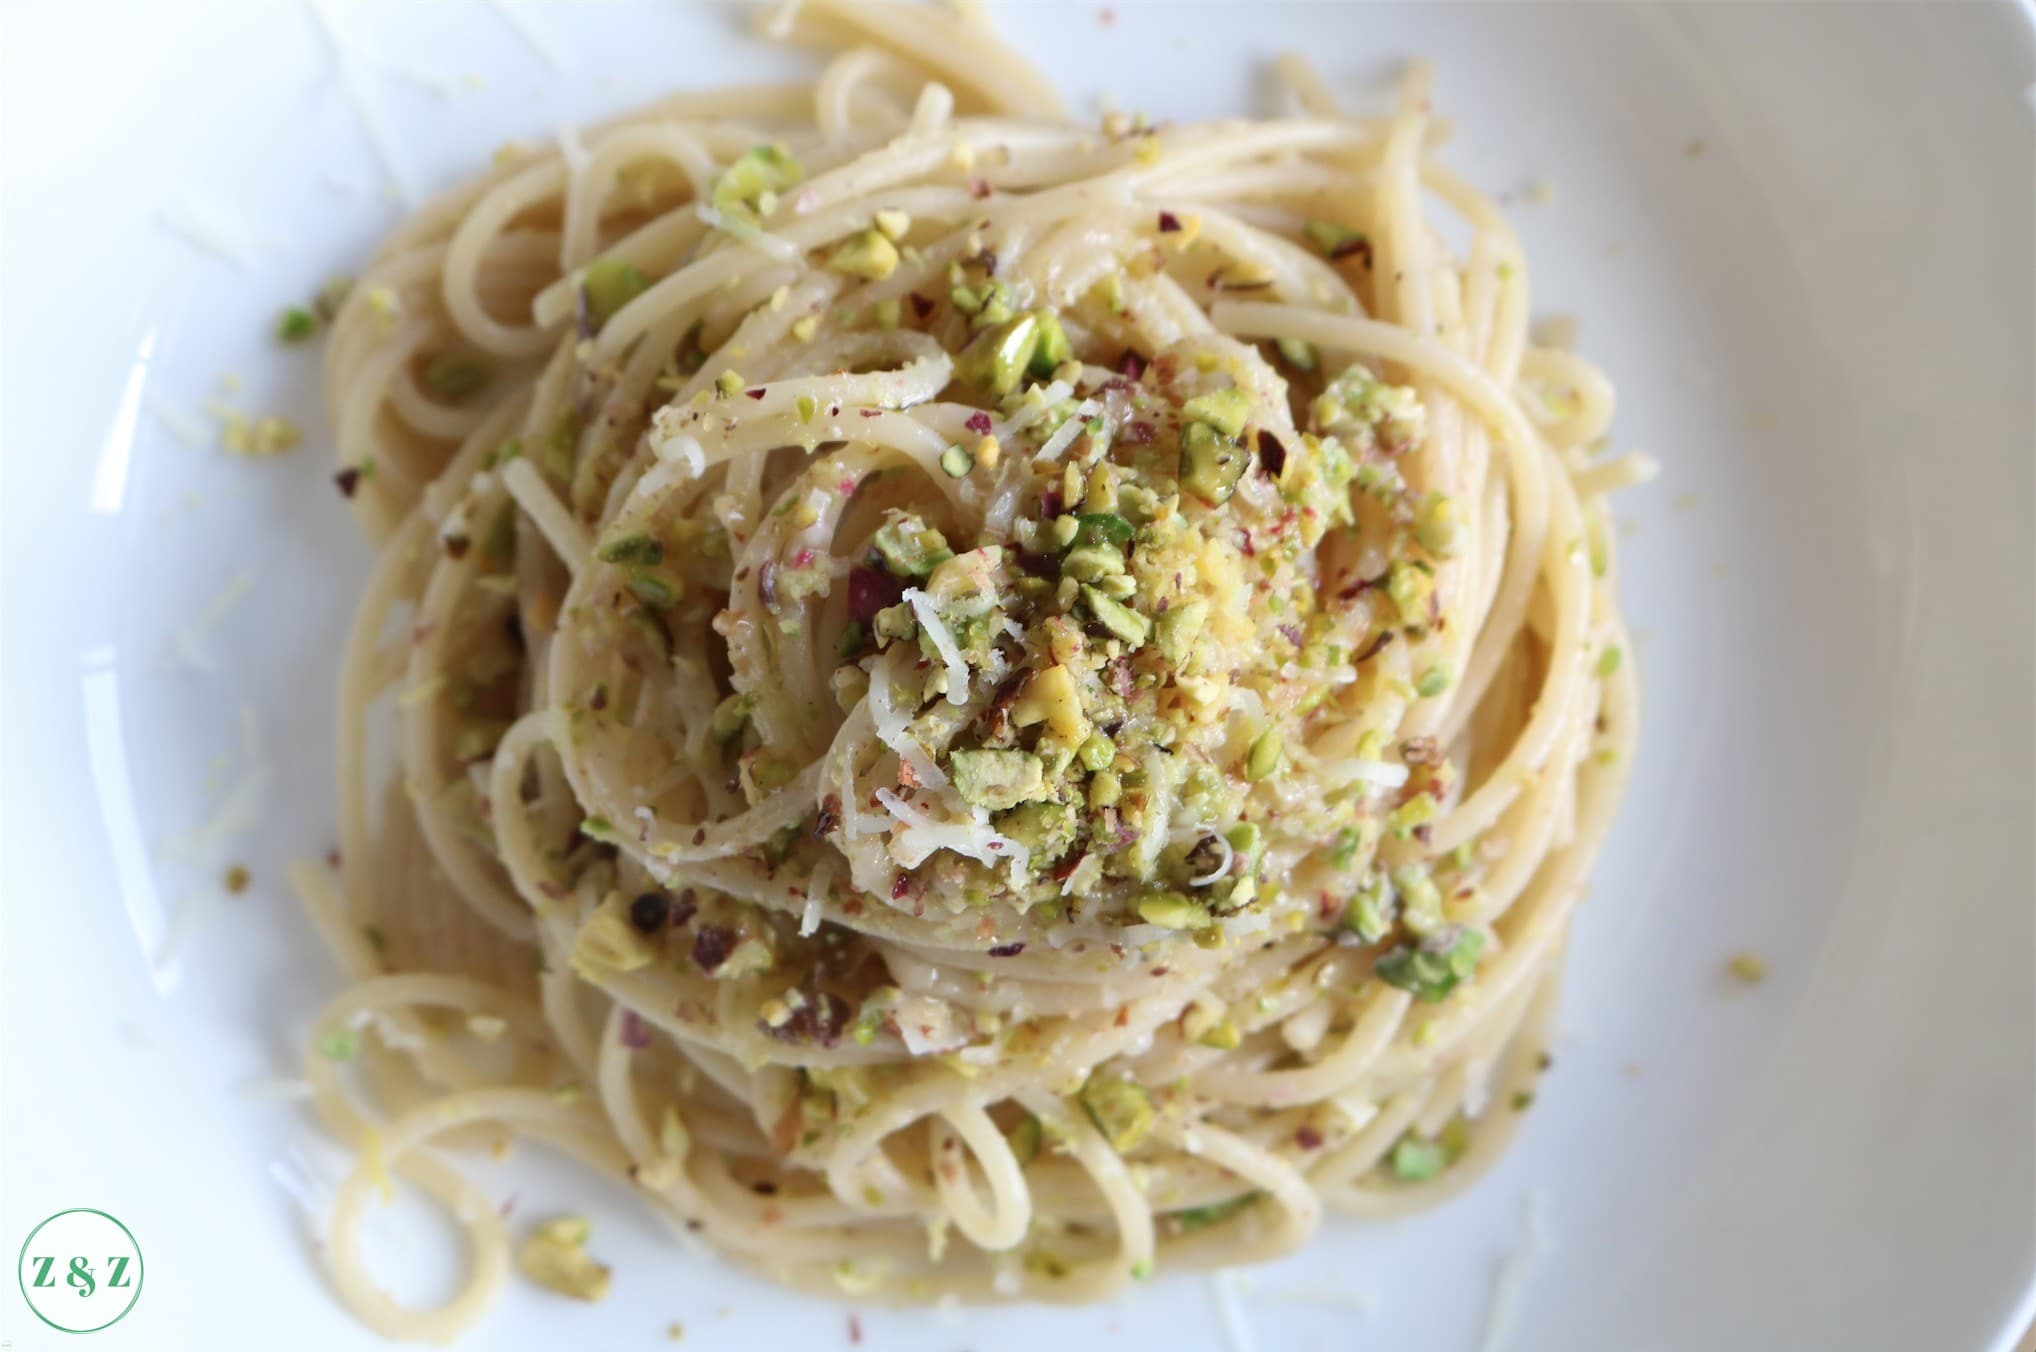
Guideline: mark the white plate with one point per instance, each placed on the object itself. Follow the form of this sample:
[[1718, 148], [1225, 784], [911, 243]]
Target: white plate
[[1821, 326]]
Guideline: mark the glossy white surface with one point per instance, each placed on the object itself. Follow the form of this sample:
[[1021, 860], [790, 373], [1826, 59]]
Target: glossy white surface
[[1821, 325]]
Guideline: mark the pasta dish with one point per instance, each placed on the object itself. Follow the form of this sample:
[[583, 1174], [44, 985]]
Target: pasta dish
[[974, 704]]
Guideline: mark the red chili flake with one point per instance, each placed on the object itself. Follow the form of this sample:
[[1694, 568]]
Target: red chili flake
[[922, 306], [1272, 452], [1123, 1011], [901, 888], [870, 412], [332, 858], [1007, 950], [1377, 645], [711, 946], [348, 480], [908, 778], [1291, 633], [979, 423], [1130, 364], [1065, 869], [756, 393], [456, 546], [854, 1331], [1161, 971], [1307, 1137], [700, 836], [979, 187], [1140, 433], [635, 1032], [1051, 502], [847, 486], [1168, 222]]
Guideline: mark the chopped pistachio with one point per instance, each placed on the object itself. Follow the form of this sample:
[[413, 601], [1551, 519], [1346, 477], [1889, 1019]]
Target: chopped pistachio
[[1225, 410], [1416, 1160], [1370, 913], [1025, 1138], [755, 178], [956, 461], [1437, 526], [340, 1045], [1117, 617], [729, 383], [1420, 898], [1266, 751], [1609, 659], [893, 223], [805, 406], [1434, 967], [1210, 464], [634, 547], [1092, 563], [1332, 239], [1748, 967], [457, 378], [1102, 528], [295, 325], [1434, 679], [909, 547], [610, 940], [868, 254], [1224, 1035], [996, 359], [608, 284], [1046, 828], [1105, 790], [1409, 816], [1050, 695], [804, 328], [997, 779], [1410, 585], [658, 590], [325, 305], [731, 715], [1053, 348], [1179, 626], [1173, 910], [1297, 354], [1096, 752], [1121, 1109], [555, 1257], [1201, 1217], [889, 314]]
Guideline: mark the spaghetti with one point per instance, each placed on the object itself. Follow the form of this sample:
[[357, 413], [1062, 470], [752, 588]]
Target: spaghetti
[[982, 706]]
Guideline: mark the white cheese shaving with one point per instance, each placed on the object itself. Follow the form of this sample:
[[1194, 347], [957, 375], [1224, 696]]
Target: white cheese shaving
[[1065, 435], [187, 641], [1228, 853], [943, 643], [892, 725], [1512, 1279], [1049, 396], [676, 448], [917, 836], [1380, 774]]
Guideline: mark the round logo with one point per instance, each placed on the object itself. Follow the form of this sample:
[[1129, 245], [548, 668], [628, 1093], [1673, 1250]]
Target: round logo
[[80, 1270]]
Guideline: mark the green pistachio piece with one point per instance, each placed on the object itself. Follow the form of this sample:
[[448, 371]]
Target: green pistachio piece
[[1434, 967], [457, 378], [1117, 617], [1416, 1160], [1334, 240], [868, 254], [1437, 526], [1211, 465], [1224, 410], [764, 169], [956, 461], [1121, 1110], [1102, 528], [1178, 628], [608, 284], [996, 780], [1092, 563], [1097, 752], [295, 325], [731, 715], [1053, 348], [1200, 1217], [1173, 910], [996, 359], [909, 547], [1297, 354], [1047, 829], [635, 547], [1025, 1139], [1264, 760]]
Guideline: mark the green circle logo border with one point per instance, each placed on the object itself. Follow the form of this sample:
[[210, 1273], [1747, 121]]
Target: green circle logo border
[[141, 1272]]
